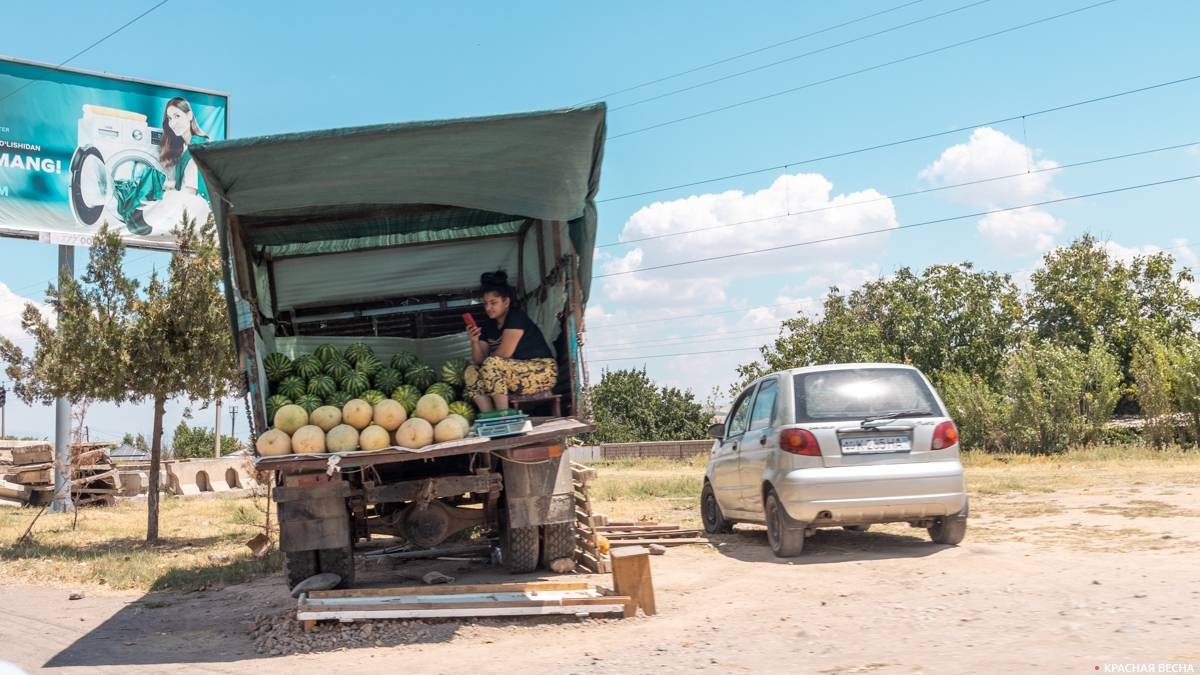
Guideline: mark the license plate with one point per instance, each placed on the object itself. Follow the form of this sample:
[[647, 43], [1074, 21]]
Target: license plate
[[871, 445]]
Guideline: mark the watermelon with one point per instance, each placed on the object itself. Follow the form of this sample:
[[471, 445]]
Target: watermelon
[[327, 353], [372, 396], [388, 379], [403, 361], [356, 383], [369, 364], [442, 389], [275, 403], [322, 385], [338, 367], [306, 366], [420, 376], [292, 387], [278, 366], [465, 409], [309, 402], [338, 399], [357, 351], [452, 371], [408, 396]]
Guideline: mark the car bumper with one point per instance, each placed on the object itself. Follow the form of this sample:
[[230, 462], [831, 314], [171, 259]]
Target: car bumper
[[872, 494]]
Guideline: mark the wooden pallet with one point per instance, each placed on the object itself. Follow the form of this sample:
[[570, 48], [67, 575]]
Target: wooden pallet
[[590, 553]]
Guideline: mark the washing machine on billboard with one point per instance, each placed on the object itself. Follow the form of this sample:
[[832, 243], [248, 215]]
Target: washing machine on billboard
[[113, 145]]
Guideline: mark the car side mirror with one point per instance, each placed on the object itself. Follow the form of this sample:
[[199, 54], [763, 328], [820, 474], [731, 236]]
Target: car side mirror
[[717, 431]]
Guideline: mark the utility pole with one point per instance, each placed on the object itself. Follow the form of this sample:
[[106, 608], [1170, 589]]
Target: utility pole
[[3, 396], [62, 502], [233, 411], [217, 442]]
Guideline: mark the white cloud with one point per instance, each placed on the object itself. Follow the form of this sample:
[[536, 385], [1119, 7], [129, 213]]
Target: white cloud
[[1021, 232], [1126, 254], [988, 154], [11, 307]]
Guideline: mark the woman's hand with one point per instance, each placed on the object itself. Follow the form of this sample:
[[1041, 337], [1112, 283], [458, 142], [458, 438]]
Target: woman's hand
[[473, 333]]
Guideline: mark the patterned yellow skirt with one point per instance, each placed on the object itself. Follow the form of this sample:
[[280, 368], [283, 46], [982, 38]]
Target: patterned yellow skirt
[[500, 377]]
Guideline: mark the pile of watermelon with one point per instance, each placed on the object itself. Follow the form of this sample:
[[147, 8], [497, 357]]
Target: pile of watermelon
[[331, 378]]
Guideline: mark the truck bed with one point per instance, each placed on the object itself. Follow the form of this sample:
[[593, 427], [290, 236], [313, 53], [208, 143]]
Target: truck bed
[[543, 432]]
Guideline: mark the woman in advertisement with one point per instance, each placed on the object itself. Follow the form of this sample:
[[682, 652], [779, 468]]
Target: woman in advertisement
[[156, 201]]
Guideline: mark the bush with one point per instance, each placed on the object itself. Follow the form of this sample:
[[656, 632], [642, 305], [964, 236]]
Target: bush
[[980, 413], [198, 442], [1151, 372], [1185, 383], [1058, 395]]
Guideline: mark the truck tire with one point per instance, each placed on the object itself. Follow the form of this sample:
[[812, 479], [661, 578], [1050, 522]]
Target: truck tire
[[520, 549], [558, 541], [339, 561], [298, 566]]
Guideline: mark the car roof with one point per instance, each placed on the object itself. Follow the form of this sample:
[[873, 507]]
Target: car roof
[[844, 366]]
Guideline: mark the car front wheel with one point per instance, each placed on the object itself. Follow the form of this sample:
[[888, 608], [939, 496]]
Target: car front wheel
[[710, 512]]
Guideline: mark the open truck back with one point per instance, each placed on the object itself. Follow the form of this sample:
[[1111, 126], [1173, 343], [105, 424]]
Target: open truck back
[[378, 235]]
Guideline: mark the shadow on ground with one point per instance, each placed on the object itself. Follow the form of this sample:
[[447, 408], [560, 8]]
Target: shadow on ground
[[827, 546]]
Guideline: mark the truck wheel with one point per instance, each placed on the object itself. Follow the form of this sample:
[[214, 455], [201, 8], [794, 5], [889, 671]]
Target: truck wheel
[[558, 541], [298, 566], [521, 549], [339, 561]]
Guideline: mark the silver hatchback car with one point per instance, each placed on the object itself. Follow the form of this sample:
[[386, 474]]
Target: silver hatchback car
[[842, 445]]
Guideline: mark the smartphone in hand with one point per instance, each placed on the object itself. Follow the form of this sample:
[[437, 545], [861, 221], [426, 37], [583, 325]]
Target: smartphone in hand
[[470, 320]]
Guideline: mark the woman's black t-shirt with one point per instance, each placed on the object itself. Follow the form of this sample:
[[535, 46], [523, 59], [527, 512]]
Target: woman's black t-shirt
[[532, 344]]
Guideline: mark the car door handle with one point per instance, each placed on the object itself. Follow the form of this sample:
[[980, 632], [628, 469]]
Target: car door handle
[[734, 446], [762, 441]]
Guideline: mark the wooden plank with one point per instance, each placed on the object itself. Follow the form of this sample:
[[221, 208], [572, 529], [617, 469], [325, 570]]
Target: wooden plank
[[305, 610], [637, 528], [664, 542], [34, 454], [14, 491], [88, 479], [446, 613], [452, 590], [36, 477], [631, 577], [672, 534]]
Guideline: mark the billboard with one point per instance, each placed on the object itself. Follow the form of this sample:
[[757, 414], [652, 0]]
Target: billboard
[[80, 149]]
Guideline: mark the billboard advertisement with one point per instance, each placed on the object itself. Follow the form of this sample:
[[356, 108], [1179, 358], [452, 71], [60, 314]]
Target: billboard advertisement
[[80, 149]]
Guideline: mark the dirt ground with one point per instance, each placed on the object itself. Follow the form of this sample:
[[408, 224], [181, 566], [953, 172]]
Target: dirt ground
[[1058, 582]]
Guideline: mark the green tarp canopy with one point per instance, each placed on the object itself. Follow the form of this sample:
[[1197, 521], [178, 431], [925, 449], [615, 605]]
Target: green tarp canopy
[[342, 190]]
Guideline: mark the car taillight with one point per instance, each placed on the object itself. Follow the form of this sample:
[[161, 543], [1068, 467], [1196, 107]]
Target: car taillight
[[945, 435], [799, 442]]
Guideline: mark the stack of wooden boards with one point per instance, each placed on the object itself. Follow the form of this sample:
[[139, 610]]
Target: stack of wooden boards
[[595, 534], [29, 479]]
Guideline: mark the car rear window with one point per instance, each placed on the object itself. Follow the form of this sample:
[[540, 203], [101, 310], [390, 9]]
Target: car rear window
[[859, 393]]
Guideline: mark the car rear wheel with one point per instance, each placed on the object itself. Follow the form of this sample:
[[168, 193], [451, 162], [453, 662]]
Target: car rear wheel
[[786, 541], [710, 512], [949, 531]]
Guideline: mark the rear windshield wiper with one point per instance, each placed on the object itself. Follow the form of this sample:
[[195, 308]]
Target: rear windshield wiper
[[894, 415]]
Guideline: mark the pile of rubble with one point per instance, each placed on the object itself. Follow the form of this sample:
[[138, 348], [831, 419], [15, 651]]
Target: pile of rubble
[[281, 634]]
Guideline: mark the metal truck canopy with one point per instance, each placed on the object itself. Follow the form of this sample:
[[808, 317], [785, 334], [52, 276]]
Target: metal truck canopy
[[344, 190]]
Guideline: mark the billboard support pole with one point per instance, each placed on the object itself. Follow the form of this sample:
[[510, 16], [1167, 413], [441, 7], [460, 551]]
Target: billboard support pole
[[62, 410]]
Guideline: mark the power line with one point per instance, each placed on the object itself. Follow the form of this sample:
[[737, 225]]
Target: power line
[[903, 195], [751, 52], [860, 71], [662, 342], [88, 48], [694, 316], [899, 227], [912, 139], [844, 43], [663, 356]]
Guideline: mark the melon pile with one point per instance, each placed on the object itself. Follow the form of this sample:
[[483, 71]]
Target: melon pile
[[334, 401]]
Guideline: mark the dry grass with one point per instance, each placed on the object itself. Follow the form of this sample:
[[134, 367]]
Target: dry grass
[[203, 539], [202, 544]]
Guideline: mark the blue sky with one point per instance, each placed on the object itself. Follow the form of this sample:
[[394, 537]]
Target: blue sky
[[307, 65]]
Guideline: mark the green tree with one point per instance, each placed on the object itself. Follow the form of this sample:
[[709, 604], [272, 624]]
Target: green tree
[[116, 343], [948, 318], [1081, 293], [1185, 383], [1152, 380], [980, 412], [198, 442], [629, 407]]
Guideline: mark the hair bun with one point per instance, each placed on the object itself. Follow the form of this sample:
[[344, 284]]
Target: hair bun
[[497, 278]]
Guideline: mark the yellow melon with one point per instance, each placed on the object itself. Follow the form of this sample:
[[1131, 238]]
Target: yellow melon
[[309, 439], [274, 442], [374, 437], [289, 418], [432, 408], [462, 422], [414, 433], [448, 430], [389, 414], [326, 417], [342, 438], [357, 413]]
